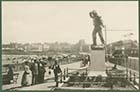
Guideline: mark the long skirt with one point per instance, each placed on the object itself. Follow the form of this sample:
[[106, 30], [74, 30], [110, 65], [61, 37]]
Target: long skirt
[[25, 79]]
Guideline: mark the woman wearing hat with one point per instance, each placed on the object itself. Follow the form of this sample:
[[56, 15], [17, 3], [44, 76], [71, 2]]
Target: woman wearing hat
[[26, 78]]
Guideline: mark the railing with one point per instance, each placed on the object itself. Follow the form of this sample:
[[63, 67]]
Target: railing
[[130, 76], [66, 73], [130, 64]]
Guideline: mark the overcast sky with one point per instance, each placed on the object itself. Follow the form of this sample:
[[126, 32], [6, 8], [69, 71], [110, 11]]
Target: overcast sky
[[66, 21]]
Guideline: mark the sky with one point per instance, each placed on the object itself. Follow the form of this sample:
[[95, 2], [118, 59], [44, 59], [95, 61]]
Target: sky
[[67, 21]]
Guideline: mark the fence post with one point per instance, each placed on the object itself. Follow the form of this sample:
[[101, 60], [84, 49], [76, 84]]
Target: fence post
[[61, 77], [126, 60], [67, 71], [86, 71], [134, 81], [64, 74], [130, 75]]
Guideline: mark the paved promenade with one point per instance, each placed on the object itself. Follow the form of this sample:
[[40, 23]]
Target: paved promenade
[[48, 85], [49, 79]]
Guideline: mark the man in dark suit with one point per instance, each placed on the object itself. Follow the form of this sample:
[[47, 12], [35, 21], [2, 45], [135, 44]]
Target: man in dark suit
[[57, 70], [34, 69]]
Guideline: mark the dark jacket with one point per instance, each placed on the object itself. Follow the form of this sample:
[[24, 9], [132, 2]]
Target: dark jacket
[[56, 68], [34, 68], [10, 74]]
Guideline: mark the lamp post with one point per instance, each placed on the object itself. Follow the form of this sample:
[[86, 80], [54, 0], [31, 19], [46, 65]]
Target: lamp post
[[125, 60], [105, 44], [123, 54]]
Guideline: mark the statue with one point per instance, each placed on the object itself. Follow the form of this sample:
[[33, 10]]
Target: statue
[[98, 25]]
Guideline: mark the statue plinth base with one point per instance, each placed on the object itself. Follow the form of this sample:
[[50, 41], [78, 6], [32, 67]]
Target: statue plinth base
[[97, 73], [97, 47], [97, 61]]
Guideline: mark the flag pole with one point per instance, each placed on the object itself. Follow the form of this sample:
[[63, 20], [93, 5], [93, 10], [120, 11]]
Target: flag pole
[[105, 43]]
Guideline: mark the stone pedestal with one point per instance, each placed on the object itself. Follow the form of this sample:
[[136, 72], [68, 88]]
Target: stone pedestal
[[97, 60], [97, 63]]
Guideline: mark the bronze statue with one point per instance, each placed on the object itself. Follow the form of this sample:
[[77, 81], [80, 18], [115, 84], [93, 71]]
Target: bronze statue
[[98, 25]]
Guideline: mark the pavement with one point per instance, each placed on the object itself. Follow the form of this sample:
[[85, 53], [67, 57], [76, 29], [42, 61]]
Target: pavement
[[124, 68], [48, 85]]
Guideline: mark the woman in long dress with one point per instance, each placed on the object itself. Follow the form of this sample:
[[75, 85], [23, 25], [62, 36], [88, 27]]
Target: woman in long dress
[[26, 78], [10, 74]]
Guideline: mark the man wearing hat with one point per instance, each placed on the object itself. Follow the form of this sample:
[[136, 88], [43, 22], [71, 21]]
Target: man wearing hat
[[97, 22], [34, 69], [56, 68]]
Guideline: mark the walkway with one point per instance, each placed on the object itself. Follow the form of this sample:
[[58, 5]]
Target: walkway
[[48, 85]]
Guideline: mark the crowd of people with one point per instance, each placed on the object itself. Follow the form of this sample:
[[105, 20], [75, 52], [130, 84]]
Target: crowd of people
[[34, 72], [36, 68]]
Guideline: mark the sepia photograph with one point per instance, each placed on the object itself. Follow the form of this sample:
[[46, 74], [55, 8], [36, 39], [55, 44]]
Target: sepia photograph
[[70, 45]]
